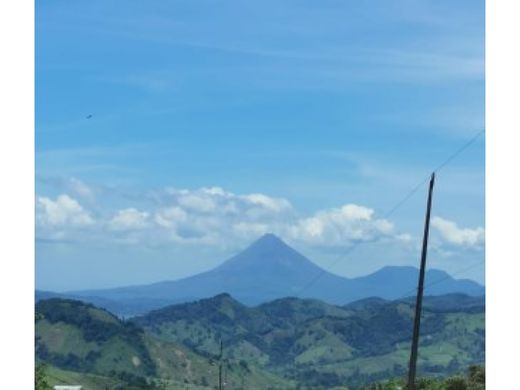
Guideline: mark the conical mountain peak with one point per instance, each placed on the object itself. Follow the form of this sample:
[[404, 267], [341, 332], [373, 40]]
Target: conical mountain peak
[[269, 241], [269, 237], [269, 269], [268, 254]]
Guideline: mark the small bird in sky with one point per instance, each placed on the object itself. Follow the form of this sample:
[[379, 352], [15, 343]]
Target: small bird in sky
[[89, 116]]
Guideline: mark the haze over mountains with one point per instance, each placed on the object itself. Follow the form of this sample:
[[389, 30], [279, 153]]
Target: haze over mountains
[[270, 269]]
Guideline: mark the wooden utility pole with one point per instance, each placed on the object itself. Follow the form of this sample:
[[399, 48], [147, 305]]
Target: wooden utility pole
[[420, 291], [224, 384], [220, 368]]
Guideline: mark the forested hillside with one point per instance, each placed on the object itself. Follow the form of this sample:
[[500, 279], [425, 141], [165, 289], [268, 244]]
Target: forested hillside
[[288, 343]]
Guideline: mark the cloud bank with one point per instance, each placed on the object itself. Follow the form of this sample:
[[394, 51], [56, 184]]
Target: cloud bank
[[452, 234], [208, 216], [62, 212]]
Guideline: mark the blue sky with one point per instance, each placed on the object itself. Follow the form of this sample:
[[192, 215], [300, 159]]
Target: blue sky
[[213, 122]]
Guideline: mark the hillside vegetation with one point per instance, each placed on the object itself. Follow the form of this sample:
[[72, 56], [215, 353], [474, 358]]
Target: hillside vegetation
[[285, 344], [324, 345], [84, 344], [474, 379]]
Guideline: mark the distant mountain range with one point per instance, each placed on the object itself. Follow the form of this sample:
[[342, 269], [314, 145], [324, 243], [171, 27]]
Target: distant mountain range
[[270, 269]]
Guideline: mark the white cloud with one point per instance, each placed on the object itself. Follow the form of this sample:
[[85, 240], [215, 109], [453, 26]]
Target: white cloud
[[213, 216], [198, 202], [170, 217], [129, 219], [272, 204], [251, 229], [68, 185], [452, 234], [341, 226], [81, 188], [64, 211], [217, 201], [404, 237]]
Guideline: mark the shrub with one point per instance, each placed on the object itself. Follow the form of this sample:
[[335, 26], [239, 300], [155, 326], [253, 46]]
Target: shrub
[[456, 383]]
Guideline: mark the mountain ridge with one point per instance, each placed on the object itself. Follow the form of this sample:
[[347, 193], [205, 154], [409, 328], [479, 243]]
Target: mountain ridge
[[282, 344], [269, 269], [328, 345]]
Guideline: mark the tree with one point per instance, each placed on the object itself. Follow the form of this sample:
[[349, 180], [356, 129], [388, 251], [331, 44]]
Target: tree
[[456, 383], [428, 384], [476, 378], [40, 381], [477, 374]]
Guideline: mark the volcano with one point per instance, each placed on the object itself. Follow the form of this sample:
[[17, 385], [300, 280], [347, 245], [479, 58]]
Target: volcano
[[270, 269]]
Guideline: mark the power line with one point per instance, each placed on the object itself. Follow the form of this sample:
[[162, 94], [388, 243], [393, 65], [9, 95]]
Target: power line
[[460, 150], [460, 272], [435, 282], [393, 209]]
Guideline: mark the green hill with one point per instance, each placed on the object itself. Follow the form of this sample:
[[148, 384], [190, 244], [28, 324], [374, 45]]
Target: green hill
[[81, 337], [285, 344], [325, 345], [82, 344]]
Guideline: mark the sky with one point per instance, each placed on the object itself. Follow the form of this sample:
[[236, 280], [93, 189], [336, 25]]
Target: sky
[[170, 135]]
